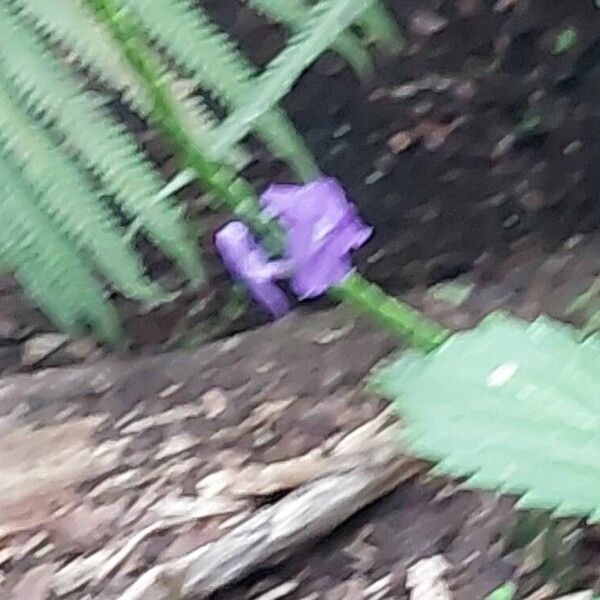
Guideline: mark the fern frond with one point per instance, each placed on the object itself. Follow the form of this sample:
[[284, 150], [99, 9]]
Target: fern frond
[[293, 13], [99, 142], [325, 22], [227, 188], [187, 35], [65, 194], [47, 265], [75, 29]]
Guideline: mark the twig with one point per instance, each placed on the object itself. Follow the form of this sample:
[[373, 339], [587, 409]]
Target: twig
[[274, 533]]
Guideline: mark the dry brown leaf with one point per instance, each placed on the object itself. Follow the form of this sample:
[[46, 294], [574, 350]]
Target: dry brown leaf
[[84, 527], [40, 469], [35, 584], [186, 508], [264, 480], [179, 413]]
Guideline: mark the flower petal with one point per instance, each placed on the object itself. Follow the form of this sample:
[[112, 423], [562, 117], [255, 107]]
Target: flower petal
[[323, 227], [247, 262]]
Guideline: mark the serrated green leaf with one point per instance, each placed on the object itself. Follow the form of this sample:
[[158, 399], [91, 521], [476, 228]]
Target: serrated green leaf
[[325, 22], [293, 13], [187, 35], [75, 29], [47, 265], [511, 405], [65, 194], [101, 144]]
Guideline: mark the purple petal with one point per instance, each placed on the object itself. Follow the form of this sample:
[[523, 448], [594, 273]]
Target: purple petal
[[323, 200], [247, 262], [322, 227], [330, 263]]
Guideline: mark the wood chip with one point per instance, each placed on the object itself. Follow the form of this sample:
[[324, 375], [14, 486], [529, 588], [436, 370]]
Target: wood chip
[[176, 445], [264, 480], [190, 509], [35, 584], [179, 413], [425, 579], [214, 403], [281, 591], [39, 347], [79, 572]]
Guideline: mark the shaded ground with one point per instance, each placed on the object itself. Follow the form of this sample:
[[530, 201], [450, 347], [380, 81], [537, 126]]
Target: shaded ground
[[146, 460]]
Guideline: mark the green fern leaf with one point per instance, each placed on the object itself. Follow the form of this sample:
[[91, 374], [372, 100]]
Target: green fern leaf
[[74, 28], [195, 44], [325, 22], [511, 406], [293, 13], [47, 265], [67, 197], [228, 189], [102, 145]]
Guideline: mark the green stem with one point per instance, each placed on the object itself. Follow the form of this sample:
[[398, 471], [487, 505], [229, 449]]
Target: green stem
[[418, 331], [238, 195], [381, 26]]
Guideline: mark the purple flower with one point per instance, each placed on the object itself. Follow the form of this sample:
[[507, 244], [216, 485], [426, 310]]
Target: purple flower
[[247, 262], [322, 229]]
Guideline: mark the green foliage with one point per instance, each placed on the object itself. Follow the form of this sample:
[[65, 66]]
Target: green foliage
[[75, 161], [46, 263], [323, 25], [186, 34], [77, 172], [511, 407], [69, 199], [565, 41], [292, 14], [74, 28], [381, 27], [228, 189], [508, 591], [99, 142]]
